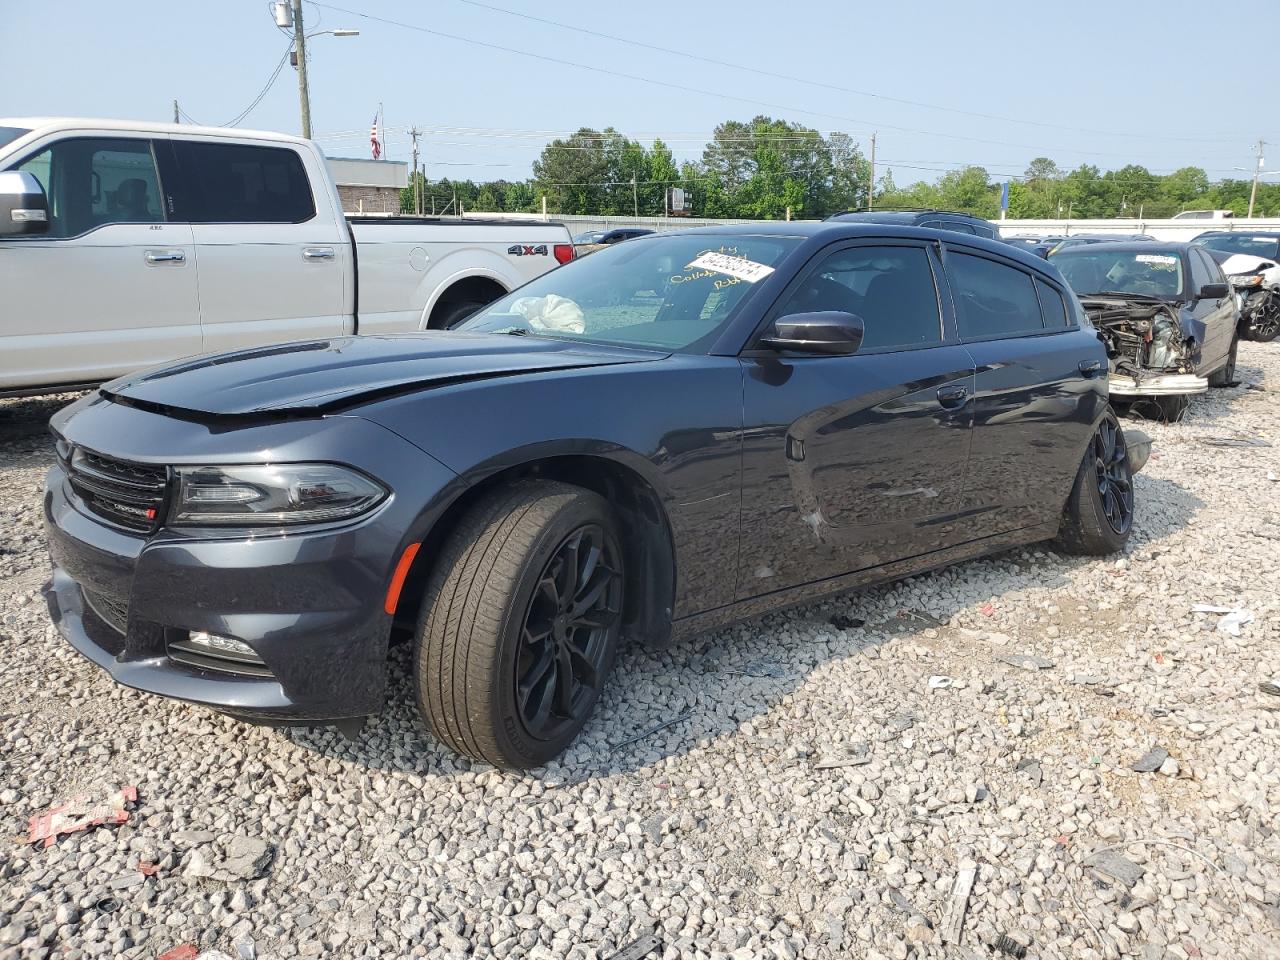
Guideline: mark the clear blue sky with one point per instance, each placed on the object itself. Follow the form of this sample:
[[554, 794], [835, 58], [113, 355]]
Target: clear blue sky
[[1108, 67]]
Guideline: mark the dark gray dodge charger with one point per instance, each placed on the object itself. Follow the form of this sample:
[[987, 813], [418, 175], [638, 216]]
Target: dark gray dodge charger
[[670, 435]]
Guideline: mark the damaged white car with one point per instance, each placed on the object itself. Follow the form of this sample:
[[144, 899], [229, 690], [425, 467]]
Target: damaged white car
[[1166, 314]]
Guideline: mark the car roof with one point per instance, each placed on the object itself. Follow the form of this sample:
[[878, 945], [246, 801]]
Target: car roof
[[818, 233], [44, 125], [900, 216], [1269, 234], [1135, 246]]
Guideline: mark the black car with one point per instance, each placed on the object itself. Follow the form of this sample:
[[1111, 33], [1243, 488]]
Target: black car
[[616, 235], [1166, 313], [1040, 246], [934, 219], [758, 416]]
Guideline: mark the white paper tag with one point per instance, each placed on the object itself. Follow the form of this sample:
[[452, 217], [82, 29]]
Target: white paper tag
[[739, 267], [1155, 258]]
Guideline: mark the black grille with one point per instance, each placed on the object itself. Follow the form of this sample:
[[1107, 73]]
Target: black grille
[[196, 655], [114, 612], [127, 494]]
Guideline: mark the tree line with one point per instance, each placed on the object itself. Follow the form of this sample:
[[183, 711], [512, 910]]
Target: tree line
[[764, 168]]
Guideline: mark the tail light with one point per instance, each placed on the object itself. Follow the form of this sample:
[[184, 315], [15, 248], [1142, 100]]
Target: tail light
[[564, 252]]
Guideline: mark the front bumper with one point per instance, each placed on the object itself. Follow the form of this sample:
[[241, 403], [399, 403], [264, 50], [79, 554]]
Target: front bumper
[[310, 603], [1162, 385]]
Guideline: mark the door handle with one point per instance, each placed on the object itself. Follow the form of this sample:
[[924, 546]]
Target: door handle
[[165, 256], [317, 253], [1090, 368], [953, 397]]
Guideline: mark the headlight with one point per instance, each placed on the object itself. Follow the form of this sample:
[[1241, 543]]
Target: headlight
[[286, 493], [1250, 281]]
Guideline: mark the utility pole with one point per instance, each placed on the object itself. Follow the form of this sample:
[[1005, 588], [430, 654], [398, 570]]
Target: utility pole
[[635, 198], [300, 44], [415, 133], [175, 112], [871, 187], [1257, 169]]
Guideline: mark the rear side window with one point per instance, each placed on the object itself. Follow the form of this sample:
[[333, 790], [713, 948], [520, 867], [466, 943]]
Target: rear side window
[[890, 288], [235, 183], [992, 299], [1053, 307]]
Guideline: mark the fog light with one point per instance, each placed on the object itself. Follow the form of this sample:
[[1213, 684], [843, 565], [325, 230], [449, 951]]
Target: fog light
[[219, 645]]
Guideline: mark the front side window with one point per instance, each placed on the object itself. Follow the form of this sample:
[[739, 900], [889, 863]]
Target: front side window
[[890, 288], [237, 183], [1200, 273], [991, 299], [673, 293], [93, 182]]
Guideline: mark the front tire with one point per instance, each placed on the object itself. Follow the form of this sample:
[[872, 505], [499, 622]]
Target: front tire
[[520, 624], [1098, 516], [1226, 375]]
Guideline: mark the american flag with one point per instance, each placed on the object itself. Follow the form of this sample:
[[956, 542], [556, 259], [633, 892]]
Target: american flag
[[373, 138]]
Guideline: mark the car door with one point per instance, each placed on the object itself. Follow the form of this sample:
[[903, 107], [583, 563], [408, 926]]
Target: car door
[[1035, 403], [850, 462], [111, 287], [1218, 314], [273, 255]]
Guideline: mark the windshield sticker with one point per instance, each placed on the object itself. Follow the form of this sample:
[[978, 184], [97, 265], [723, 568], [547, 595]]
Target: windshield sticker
[[1156, 258], [739, 267]]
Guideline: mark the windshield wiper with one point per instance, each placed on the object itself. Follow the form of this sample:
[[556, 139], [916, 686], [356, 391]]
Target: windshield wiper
[[1123, 295]]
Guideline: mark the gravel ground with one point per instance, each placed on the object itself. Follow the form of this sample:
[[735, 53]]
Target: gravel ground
[[815, 796]]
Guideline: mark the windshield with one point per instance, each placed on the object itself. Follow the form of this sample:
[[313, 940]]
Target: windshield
[[674, 292], [1242, 243], [10, 134], [1101, 268], [591, 236]]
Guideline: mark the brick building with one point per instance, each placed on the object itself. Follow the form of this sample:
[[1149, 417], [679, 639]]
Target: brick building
[[369, 186]]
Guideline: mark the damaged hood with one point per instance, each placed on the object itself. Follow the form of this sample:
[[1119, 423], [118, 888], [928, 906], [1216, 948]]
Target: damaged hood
[[320, 376]]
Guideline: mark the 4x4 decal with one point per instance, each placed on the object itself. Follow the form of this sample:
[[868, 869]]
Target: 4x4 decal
[[527, 250]]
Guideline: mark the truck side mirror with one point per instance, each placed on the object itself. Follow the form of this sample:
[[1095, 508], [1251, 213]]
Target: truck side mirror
[[24, 209]]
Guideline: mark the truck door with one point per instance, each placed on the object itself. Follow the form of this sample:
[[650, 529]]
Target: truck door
[[274, 255], [111, 287]]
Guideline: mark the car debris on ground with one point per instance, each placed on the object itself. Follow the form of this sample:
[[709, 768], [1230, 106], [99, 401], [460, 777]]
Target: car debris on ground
[[80, 813]]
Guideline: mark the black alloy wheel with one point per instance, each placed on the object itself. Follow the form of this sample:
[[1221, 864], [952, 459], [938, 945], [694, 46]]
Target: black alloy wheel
[[1266, 324], [1112, 473], [566, 640]]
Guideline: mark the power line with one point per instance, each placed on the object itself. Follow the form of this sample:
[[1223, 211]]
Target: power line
[[676, 86], [831, 86], [253, 105]]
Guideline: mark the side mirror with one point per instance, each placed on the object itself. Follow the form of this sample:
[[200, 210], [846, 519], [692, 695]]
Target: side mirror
[[24, 209], [823, 331], [1213, 291]]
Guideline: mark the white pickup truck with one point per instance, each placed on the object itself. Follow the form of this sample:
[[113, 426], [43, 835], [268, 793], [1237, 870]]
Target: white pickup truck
[[124, 244]]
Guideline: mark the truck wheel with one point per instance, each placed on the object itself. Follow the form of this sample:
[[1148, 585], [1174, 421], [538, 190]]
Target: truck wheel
[[454, 313], [520, 622], [1098, 516], [1226, 375]]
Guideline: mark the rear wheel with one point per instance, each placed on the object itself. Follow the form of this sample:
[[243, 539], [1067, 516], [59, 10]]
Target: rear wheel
[[520, 624], [1226, 375], [1098, 516], [452, 314]]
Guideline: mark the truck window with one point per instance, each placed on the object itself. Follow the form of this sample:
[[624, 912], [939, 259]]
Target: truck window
[[237, 183], [95, 181]]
